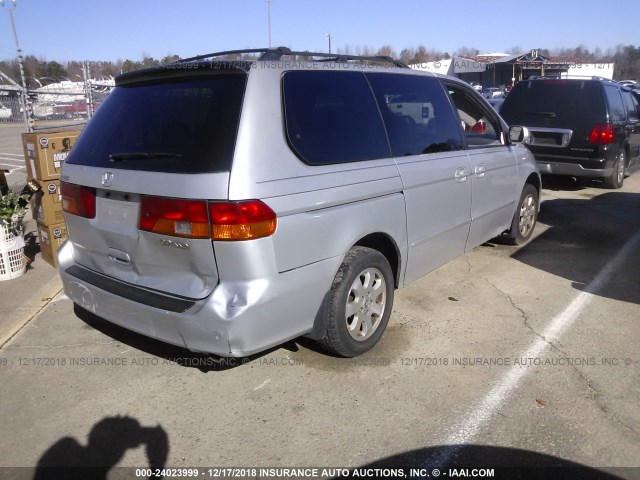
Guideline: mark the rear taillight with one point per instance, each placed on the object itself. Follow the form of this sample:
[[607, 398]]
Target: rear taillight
[[78, 200], [241, 220], [601, 134], [175, 217]]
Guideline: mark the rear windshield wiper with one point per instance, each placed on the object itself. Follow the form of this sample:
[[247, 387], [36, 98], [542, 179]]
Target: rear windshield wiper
[[542, 114], [123, 157]]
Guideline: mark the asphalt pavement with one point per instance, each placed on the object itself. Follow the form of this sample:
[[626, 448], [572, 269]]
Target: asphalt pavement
[[504, 357]]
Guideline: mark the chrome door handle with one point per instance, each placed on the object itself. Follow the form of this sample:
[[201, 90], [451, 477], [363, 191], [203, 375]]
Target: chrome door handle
[[461, 175], [480, 170]]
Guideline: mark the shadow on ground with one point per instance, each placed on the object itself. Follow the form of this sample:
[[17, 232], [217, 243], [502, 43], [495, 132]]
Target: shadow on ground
[[507, 463], [109, 440], [584, 236]]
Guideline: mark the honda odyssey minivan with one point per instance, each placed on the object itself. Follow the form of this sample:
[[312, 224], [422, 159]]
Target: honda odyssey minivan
[[229, 206]]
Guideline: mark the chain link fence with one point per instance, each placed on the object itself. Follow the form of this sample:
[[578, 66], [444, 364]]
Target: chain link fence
[[58, 105]]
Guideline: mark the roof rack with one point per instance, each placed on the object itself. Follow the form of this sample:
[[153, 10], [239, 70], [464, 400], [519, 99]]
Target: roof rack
[[271, 54]]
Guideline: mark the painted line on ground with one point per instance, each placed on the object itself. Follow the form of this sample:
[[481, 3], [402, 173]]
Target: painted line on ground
[[476, 419], [11, 170]]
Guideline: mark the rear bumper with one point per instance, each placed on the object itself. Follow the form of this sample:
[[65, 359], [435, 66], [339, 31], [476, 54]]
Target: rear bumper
[[598, 164], [236, 320], [572, 170]]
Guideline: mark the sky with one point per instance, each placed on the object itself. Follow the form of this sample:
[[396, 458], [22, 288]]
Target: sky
[[65, 30]]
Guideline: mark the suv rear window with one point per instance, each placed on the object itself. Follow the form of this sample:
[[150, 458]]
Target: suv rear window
[[554, 99], [194, 122]]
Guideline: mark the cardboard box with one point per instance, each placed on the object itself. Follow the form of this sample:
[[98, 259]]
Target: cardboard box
[[45, 152], [46, 204], [51, 237]]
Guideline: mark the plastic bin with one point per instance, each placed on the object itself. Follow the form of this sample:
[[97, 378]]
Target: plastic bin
[[12, 264]]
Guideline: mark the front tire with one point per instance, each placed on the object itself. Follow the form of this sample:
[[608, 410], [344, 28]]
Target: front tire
[[525, 218], [359, 304]]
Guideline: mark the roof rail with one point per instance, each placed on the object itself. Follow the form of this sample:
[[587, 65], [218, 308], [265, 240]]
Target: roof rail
[[271, 54]]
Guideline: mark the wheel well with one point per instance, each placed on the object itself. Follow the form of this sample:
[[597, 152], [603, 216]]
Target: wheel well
[[627, 151], [534, 180], [387, 247]]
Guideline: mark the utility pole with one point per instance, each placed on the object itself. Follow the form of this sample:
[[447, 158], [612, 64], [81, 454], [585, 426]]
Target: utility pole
[[329, 36], [269, 19], [20, 63]]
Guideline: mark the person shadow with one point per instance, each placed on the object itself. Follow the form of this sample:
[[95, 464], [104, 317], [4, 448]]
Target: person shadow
[[109, 440]]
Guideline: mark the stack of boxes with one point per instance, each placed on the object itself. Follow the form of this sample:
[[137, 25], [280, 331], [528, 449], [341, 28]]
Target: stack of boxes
[[44, 154]]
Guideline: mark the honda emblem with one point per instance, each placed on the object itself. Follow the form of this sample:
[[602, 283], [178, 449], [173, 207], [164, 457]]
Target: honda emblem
[[107, 178]]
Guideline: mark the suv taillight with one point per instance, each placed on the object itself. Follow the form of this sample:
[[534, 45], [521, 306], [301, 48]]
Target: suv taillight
[[240, 220], [78, 200], [602, 134]]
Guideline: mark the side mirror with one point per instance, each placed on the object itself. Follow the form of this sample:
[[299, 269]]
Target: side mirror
[[518, 134]]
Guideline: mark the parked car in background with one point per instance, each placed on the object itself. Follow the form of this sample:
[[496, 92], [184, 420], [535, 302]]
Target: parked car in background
[[632, 105], [575, 127], [74, 109], [492, 92], [416, 111], [227, 209], [5, 112], [44, 110], [496, 103]]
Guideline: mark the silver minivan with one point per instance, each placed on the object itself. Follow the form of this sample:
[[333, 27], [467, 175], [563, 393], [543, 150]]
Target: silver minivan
[[230, 206]]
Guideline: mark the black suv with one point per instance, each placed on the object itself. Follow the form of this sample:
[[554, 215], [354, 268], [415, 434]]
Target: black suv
[[576, 127]]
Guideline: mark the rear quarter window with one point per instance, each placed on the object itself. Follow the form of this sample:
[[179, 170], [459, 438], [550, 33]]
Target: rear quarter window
[[616, 107], [193, 120], [332, 117]]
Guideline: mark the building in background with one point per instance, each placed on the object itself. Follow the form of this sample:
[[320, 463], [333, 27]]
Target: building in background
[[501, 69]]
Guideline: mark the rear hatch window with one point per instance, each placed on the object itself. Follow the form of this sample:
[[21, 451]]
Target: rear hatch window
[[180, 125], [149, 138], [554, 103]]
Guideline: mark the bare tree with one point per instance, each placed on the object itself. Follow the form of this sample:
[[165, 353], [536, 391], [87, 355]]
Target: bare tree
[[406, 55], [467, 52], [386, 51]]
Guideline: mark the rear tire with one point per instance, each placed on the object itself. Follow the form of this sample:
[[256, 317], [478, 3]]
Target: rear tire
[[525, 218], [359, 303], [616, 179]]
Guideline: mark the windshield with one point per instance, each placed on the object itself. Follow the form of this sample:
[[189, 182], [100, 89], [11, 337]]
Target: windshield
[[193, 123]]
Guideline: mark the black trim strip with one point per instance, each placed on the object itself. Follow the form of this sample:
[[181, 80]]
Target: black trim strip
[[129, 291]]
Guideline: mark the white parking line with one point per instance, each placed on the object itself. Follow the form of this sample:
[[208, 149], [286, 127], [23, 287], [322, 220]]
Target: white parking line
[[10, 168], [7, 162], [475, 420]]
